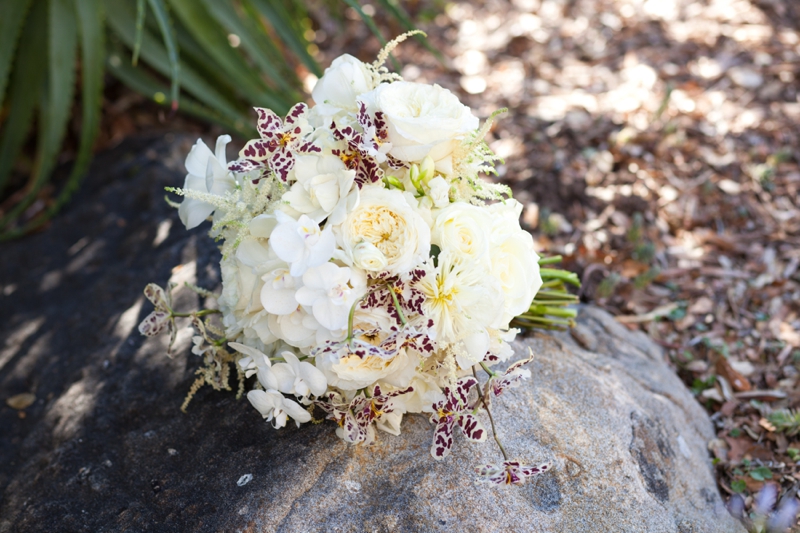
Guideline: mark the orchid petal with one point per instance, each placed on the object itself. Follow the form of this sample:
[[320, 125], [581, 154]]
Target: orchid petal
[[284, 377]]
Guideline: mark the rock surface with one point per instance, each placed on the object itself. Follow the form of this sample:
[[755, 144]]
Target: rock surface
[[105, 448]]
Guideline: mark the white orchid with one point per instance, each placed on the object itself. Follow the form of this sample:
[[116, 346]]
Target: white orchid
[[256, 362], [301, 243], [327, 292], [276, 408], [299, 377], [207, 173], [278, 292]]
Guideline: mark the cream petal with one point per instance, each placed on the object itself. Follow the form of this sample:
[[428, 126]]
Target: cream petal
[[298, 414], [263, 402], [313, 378], [197, 159], [278, 301], [219, 149], [284, 377], [267, 378]]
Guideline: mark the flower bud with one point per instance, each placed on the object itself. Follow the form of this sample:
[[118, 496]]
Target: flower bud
[[367, 257]]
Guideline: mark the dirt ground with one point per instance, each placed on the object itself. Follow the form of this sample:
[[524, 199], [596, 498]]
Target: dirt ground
[[654, 144]]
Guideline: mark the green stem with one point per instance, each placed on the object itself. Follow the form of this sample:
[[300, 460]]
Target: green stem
[[198, 314], [563, 302], [550, 260], [396, 303], [568, 277], [552, 311], [491, 418]]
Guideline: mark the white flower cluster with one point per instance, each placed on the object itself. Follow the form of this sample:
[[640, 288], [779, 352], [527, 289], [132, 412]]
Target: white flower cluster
[[366, 267]]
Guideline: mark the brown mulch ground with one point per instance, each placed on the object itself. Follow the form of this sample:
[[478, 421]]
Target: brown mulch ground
[[655, 146]]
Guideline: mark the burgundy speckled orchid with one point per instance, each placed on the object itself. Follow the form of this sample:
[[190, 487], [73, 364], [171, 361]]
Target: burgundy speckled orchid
[[355, 419], [509, 472], [511, 377], [455, 409], [280, 141]]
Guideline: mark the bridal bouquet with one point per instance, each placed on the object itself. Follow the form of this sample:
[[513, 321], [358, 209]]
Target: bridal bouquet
[[367, 270]]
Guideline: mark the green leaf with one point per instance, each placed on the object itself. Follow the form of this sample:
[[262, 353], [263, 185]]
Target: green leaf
[[141, 11], [761, 473], [56, 102], [24, 90], [154, 54], [90, 21], [160, 12], [288, 30], [213, 39], [793, 453], [738, 486], [146, 85], [12, 18], [255, 41]]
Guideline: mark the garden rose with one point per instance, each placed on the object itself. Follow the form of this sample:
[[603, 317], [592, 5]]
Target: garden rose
[[423, 119], [515, 262], [385, 219]]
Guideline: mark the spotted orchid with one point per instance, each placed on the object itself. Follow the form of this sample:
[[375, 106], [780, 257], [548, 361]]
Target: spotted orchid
[[356, 417], [280, 141], [456, 408], [509, 472], [365, 150], [160, 317], [510, 378]]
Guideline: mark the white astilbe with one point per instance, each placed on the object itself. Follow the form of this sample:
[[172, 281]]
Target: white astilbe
[[236, 208], [472, 157], [379, 72]]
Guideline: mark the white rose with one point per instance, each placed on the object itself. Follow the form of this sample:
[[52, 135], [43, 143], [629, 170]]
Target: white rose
[[322, 189], [423, 119], [337, 89], [242, 312], [366, 256], [462, 229], [515, 262], [385, 219]]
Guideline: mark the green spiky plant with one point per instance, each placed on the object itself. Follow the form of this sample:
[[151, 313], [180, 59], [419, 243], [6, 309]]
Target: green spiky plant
[[175, 52]]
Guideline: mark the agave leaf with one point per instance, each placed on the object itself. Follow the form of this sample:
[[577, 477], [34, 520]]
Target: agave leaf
[[288, 30], [137, 80], [12, 17], [56, 101], [367, 20], [141, 11], [255, 41], [160, 12], [90, 22], [26, 82], [119, 19], [213, 39]]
